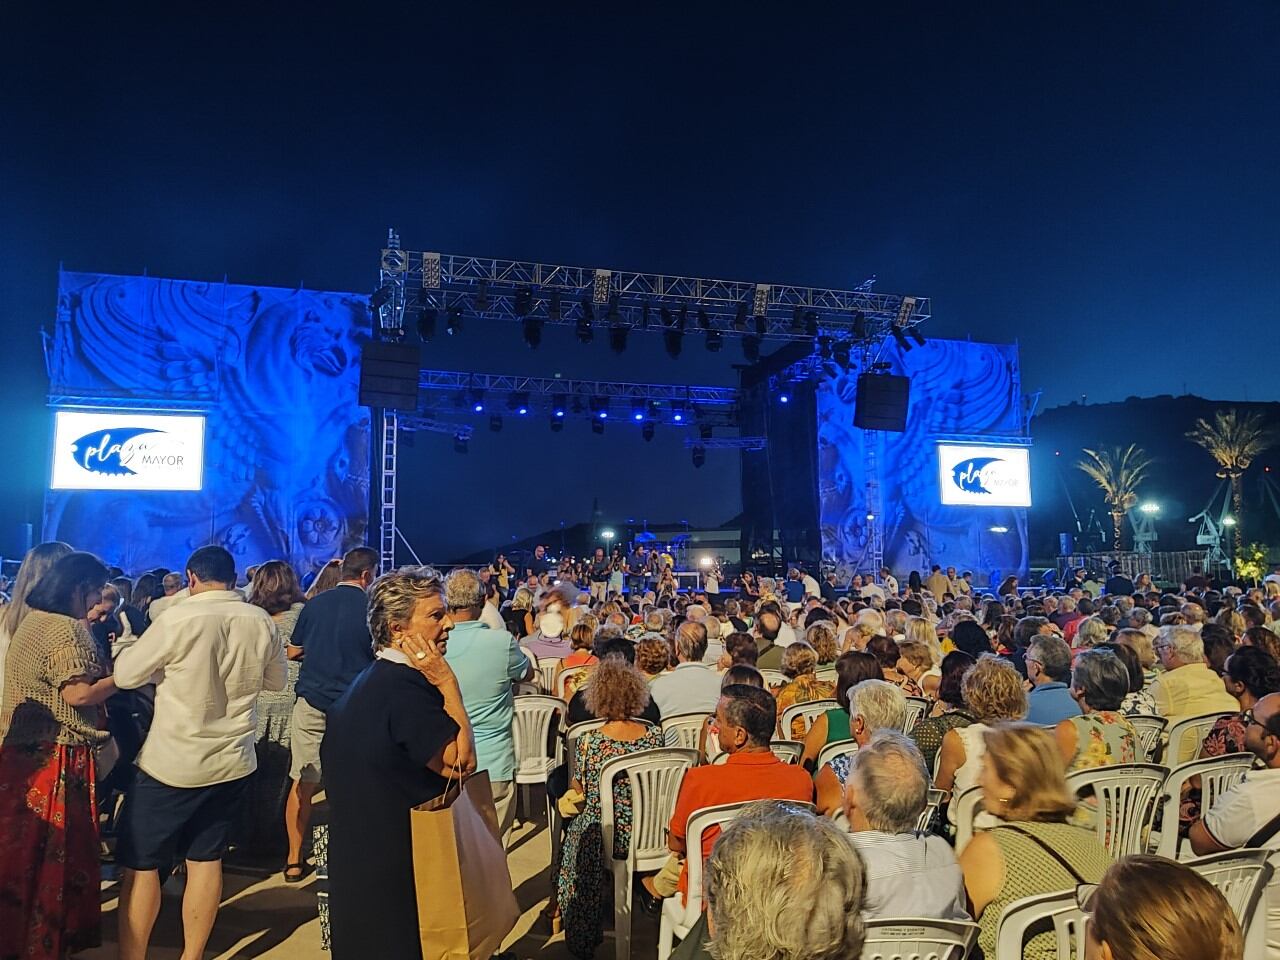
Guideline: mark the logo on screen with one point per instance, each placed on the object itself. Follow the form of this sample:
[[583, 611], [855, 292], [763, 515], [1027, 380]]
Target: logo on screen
[[111, 451], [967, 474]]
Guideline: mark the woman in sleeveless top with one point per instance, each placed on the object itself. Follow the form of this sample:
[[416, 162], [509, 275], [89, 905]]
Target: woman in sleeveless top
[[993, 691], [833, 726], [1034, 849], [1101, 735]]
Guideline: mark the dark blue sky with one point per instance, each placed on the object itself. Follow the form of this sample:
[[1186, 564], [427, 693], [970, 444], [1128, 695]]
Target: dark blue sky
[[1095, 180]]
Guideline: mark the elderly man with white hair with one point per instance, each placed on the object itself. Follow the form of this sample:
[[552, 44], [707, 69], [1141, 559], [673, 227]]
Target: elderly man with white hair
[[1187, 687], [909, 874], [874, 705], [697, 613], [693, 686]]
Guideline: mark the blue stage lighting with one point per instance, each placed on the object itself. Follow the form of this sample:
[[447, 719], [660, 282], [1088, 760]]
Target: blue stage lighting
[[784, 398]]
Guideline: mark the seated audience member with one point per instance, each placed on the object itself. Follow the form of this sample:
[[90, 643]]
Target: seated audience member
[[1218, 644], [708, 745], [949, 713], [1179, 914], [821, 635], [1188, 687], [1264, 638], [969, 637], [1248, 814], [1248, 675], [581, 643], [909, 874], [769, 638], [833, 726], [739, 647], [608, 646], [1034, 850], [693, 686], [653, 655], [745, 720], [1101, 735], [547, 642], [885, 650], [1048, 667], [915, 660], [1138, 702], [616, 693], [803, 686], [518, 614], [782, 884], [1090, 632], [874, 705], [993, 691]]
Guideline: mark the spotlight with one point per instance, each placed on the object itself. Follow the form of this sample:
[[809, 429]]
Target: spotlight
[[905, 309], [585, 331], [644, 316], [677, 411], [532, 332], [618, 338], [714, 341], [637, 410], [588, 311], [597, 427], [740, 318], [553, 306], [1149, 507], [612, 314], [381, 297], [682, 321], [524, 302], [902, 341], [699, 456], [460, 442], [797, 318], [477, 400], [784, 397], [915, 334], [673, 340], [762, 326], [599, 408], [665, 316], [495, 423], [810, 323], [557, 424], [751, 349], [480, 302], [859, 325], [646, 431], [704, 322], [557, 410], [704, 431], [427, 324], [453, 320]]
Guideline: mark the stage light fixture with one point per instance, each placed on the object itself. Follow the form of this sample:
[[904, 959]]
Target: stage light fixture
[[840, 353], [751, 349], [599, 408], [460, 442], [381, 297], [644, 316], [682, 320], [453, 320], [600, 286], [558, 410], [902, 340], [797, 318], [588, 311], [557, 424], [905, 309], [523, 303], [704, 322], [480, 302], [576, 405], [597, 427], [618, 338], [824, 348], [460, 399], [740, 317], [553, 306], [699, 456], [646, 431], [762, 326], [810, 323], [784, 397], [427, 324], [673, 340], [705, 431], [637, 410], [431, 271], [859, 325], [585, 332], [531, 330], [668, 321], [495, 422], [715, 340], [477, 400], [915, 334], [760, 300], [677, 411], [612, 314]]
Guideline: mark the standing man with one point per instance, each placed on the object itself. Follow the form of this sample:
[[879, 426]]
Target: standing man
[[937, 583], [811, 588], [538, 564], [332, 640], [486, 662], [637, 569], [210, 657], [598, 574]]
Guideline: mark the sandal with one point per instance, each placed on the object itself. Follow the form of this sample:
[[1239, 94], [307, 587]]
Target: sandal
[[304, 870]]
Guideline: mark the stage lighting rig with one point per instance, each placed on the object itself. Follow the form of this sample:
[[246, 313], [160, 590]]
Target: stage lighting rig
[[810, 323], [859, 325], [760, 301], [824, 348], [480, 302], [699, 456], [618, 338], [644, 316], [585, 332], [495, 423], [715, 340], [453, 320], [678, 411], [553, 306], [531, 330], [523, 304], [900, 338], [751, 349], [477, 400], [381, 297], [740, 318], [914, 333], [599, 408], [840, 353], [637, 410], [427, 324], [905, 309], [797, 318], [556, 423], [600, 286], [705, 431]]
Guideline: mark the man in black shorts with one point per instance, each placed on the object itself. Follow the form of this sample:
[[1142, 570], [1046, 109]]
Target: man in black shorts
[[210, 657]]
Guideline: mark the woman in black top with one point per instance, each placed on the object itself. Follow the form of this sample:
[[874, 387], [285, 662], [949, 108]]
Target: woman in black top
[[392, 742]]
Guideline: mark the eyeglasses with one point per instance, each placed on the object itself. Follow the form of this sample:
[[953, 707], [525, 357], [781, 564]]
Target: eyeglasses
[[1250, 720]]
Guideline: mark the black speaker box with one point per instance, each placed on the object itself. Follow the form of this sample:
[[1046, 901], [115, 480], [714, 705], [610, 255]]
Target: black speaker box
[[389, 375], [882, 402]]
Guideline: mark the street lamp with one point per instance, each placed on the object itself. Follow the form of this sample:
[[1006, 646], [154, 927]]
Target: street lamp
[[607, 535], [998, 529], [704, 562], [1228, 521], [1149, 507]]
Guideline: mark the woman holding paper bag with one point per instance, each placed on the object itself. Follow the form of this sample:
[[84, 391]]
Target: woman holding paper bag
[[392, 742]]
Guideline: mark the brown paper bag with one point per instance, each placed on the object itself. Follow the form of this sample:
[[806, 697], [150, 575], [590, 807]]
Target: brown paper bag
[[466, 906]]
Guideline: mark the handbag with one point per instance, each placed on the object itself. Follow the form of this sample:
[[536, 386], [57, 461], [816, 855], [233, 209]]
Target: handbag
[[105, 757], [466, 905]]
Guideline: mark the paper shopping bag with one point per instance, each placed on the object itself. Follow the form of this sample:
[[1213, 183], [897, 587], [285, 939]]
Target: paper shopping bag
[[466, 905]]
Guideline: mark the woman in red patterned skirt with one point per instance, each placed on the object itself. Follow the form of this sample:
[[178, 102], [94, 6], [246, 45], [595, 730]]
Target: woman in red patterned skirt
[[51, 720]]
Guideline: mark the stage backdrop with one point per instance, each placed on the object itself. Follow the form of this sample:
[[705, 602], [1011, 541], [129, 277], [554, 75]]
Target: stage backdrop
[[960, 391], [274, 371]]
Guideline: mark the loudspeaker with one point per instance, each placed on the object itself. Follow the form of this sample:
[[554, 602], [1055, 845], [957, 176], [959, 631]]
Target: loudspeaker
[[881, 402], [389, 375]]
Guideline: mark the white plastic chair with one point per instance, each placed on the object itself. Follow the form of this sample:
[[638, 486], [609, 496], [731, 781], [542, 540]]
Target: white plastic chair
[[1186, 735], [773, 678], [1242, 877], [526, 688], [788, 751], [968, 805], [570, 742], [678, 918], [1150, 730], [655, 777], [826, 673], [931, 806], [1126, 796], [1217, 776], [917, 708], [837, 749], [547, 673], [911, 938], [684, 729], [535, 723], [562, 683], [1058, 909], [808, 711]]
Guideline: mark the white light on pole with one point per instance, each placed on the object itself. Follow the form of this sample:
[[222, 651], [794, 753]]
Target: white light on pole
[[998, 529], [607, 535], [1228, 521], [1149, 507], [704, 562]]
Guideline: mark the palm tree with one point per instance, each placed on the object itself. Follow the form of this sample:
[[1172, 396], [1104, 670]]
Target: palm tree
[[1118, 472], [1233, 440]]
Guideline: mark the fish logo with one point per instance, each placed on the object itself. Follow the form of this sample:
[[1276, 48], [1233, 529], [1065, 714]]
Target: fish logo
[[967, 474], [103, 450]]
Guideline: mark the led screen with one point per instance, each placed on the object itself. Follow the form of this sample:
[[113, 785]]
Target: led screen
[[127, 451], [981, 476]]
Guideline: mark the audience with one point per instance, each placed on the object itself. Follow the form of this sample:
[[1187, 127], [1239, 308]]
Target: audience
[[693, 686], [874, 705], [1048, 668], [1101, 734], [798, 665], [949, 712], [1188, 687], [833, 725]]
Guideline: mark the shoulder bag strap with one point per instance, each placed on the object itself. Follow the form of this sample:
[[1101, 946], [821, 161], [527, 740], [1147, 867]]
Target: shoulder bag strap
[[1269, 830], [1062, 861]]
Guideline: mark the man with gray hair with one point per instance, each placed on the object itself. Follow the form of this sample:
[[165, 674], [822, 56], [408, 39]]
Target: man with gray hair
[[486, 662], [874, 705], [1049, 670], [909, 874], [1188, 687], [693, 686], [697, 613]]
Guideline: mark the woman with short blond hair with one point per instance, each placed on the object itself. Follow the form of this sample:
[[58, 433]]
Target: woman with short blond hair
[[799, 662]]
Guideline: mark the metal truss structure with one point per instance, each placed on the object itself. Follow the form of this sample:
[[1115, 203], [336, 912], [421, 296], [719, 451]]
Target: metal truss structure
[[727, 443], [413, 284]]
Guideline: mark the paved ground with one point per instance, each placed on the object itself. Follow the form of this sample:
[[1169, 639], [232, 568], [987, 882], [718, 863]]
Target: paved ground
[[264, 917]]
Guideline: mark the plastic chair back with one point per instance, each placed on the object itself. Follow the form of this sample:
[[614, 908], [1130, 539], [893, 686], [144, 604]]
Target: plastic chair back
[[788, 751], [911, 938], [1029, 916], [773, 678], [684, 729], [570, 742], [917, 709], [547, 673], [837, 749], [1242, 877], [567, 674], [534, 724], [930, 810], [1186, 735], [807, 711], [1217, 776], [1150, 730], [968, 805], [1126, 795]]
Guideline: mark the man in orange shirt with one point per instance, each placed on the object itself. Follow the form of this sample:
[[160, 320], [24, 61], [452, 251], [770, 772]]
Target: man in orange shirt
[[745, 719]]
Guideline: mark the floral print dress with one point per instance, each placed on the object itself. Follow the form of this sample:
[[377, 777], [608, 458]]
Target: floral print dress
[[584, 873], [805, 688], [1103, 738]]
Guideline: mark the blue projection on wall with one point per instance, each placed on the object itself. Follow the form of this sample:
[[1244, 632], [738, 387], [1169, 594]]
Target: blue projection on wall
[[960, 391], [286, 460]]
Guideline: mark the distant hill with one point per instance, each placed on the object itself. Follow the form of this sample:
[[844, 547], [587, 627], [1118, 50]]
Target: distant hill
[[1182, 478]]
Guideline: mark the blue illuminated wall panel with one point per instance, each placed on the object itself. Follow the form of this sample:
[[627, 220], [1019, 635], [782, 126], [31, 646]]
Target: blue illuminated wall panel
[[276, 373], [959, 390]]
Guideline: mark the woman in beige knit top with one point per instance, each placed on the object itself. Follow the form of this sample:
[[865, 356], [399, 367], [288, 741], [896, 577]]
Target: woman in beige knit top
[[51, 719]]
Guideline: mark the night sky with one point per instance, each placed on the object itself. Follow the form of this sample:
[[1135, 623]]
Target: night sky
[[1097, 181]]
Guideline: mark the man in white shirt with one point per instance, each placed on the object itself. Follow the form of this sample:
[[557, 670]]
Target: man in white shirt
[[693, 686], [210, 657], [811, 587], [890, 581], [1244, 815]]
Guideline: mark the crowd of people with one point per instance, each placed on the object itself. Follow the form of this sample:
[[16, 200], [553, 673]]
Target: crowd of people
[[396, 682]]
